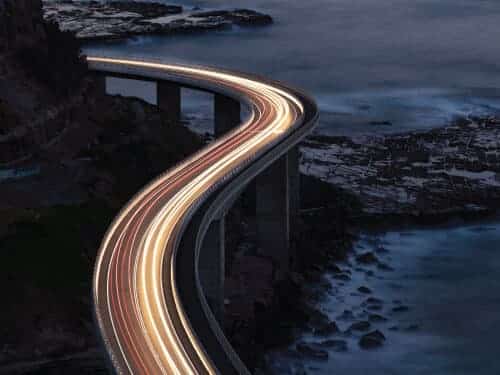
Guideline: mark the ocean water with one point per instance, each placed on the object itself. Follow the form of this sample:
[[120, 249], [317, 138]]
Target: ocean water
[[414, 63], [448, 277]]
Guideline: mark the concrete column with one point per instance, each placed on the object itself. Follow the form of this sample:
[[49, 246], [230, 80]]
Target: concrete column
[[212, 267], [168, 96], [273, 215], [227, 113]]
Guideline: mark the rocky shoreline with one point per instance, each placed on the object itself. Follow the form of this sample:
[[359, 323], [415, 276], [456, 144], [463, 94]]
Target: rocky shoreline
[[438, 173], [111, 20], [362, 324], [382, 182]]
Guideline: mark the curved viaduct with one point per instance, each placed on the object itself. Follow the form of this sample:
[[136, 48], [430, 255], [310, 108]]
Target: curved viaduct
[[158, 282]]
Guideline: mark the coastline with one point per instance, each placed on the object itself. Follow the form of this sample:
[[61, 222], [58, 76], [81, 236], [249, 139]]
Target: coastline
[[333, 242], [333, 263], [431, 296]]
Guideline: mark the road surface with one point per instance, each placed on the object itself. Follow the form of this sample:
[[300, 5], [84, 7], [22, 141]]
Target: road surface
[[140, 314]]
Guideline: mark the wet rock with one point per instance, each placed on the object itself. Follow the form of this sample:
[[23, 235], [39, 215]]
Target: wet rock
[[372, 340], [335, 345], [334, 268], [360, 326], [316, 268], [241, 17], [311, 351], [374, 301], [401, 308], [367, 258], [381, 123], [376, 318], [381, 250], [329, 329], [346, 315], [384, 267], [364, 289], [318, 320], [412, 328], [374, 307], [342, 277], [373, 304]]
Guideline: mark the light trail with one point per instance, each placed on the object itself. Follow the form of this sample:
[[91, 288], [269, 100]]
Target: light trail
[[138, 308]]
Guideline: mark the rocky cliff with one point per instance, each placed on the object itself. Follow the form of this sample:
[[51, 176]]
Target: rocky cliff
[[21, 24], [41, 79]]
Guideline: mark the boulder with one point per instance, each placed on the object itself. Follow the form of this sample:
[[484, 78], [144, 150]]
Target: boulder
[[346, 315], [372, 340], [376, 318], [360, 326], [329, 329], [367, 258], [335, 345], [311, 351], [401, 308], [364, 290]]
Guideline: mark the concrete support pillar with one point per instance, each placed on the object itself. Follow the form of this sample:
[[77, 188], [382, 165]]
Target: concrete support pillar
[[168, 97], [211, 267], [277, 205], [227, 113], [273, 215]]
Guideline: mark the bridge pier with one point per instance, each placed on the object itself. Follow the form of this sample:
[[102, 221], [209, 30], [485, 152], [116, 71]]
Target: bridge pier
[[211, 266], [168, 96], [272, 214], [277, 206]]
